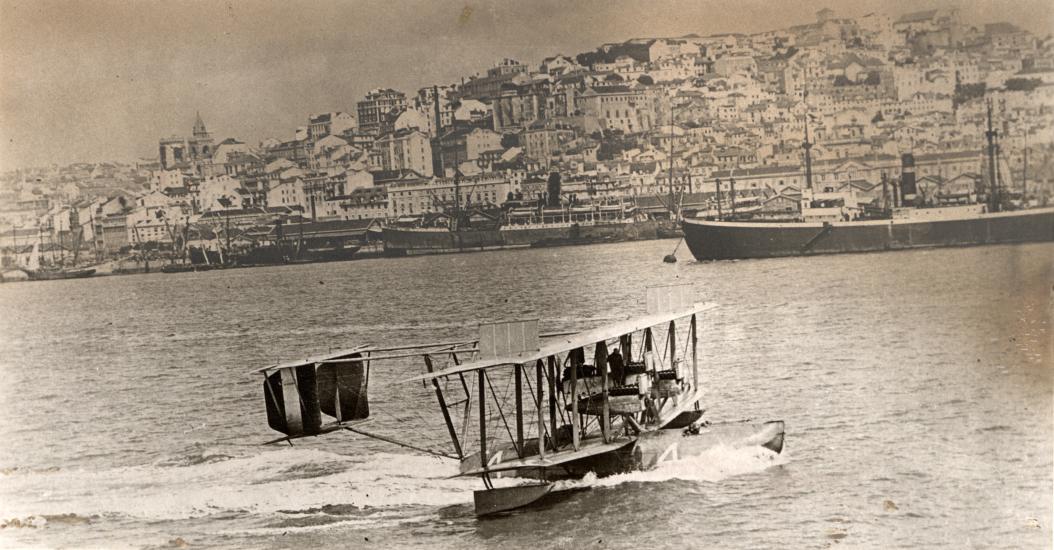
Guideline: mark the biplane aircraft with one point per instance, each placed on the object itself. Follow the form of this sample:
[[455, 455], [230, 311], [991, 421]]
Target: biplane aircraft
[[618, 398]]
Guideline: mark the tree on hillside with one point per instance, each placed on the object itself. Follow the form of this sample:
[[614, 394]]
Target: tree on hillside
[[552, 188], [1022, 84], [510, 140], [967, 92]]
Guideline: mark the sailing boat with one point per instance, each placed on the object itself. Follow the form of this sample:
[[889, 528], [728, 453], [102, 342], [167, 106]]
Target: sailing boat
[[39, 272], [60, 273]]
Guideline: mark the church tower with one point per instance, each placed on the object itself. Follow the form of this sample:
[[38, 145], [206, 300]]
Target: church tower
[[199, 128], [200, 145]]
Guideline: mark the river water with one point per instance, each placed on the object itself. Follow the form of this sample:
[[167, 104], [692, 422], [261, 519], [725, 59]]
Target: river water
[[916, 387]]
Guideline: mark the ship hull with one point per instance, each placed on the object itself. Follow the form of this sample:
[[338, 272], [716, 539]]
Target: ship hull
[[710, 240], [414, 241], [60, 274], [280, 255]]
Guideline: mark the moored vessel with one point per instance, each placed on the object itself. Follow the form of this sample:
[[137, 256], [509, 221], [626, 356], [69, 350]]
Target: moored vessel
[[305, 242], [521, 224], [913, 228], [575, 228], [830, 222], [61, 273]]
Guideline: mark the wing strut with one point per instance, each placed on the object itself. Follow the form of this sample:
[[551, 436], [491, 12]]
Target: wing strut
[[446, 412]]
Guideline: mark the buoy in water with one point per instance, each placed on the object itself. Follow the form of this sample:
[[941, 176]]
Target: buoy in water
[[671, 258]]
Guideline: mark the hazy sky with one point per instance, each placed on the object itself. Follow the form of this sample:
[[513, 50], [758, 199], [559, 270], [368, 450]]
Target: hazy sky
[[103, 80]]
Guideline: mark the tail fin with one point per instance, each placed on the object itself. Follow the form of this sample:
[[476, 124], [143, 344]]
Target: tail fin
[[342, 390], [297, 395]]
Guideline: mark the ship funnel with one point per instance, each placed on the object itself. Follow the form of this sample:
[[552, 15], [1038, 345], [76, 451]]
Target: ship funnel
[[908, 189]]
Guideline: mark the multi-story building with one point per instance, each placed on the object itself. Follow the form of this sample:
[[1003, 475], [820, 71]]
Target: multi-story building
[[735, 63], [296, 151], [154, 224], [425, 103], [164, 179], [221, 192], [363, 204], [542, 141], [466, 143], [325, 124], [1006, 37], [111, 233], [408, 149], [378, 111], [489, 86], [288, 192], [629, 109], [322, 191], [421, 196]]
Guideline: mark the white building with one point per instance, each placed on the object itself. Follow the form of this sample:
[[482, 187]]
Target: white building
[[327, 124], [163, 179], [216, 190], [479, 141], [408, 149], [288, 192], [433, 195], [156, 224]]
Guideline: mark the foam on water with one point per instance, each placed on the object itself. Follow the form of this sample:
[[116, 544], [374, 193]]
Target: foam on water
[[267, 482], [293, 481], [712, 466]]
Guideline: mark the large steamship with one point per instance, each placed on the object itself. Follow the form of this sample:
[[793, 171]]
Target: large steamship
[[835, 222]]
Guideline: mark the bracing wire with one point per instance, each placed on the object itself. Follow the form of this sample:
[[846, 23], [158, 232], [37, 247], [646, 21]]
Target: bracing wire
[[499, 405]]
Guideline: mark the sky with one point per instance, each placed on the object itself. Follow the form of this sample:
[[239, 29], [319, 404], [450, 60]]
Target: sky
[[88, 81]]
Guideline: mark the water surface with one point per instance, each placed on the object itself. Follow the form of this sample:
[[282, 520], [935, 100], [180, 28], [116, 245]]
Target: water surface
[[916, 386]]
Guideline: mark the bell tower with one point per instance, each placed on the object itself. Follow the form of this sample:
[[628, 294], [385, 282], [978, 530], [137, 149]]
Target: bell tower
[[199, 128], [200, 145]]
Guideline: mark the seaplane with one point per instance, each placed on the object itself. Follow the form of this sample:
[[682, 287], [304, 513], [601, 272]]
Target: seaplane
[[622, 397]]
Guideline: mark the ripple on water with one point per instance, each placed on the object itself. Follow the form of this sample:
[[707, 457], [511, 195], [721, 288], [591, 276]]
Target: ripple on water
[[123, 397]]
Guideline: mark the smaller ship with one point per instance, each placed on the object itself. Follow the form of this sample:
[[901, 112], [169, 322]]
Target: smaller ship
[[59, 273], [37, 271], [519, 223], [306, 242]]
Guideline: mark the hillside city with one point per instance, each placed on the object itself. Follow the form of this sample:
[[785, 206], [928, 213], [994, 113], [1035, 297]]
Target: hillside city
[[640, 121]]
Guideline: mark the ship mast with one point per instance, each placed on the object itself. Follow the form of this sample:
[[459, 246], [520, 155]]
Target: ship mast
[[993, 187], [437, 165], [807, 146], [456, 222], [1024, 171], [673, 213]]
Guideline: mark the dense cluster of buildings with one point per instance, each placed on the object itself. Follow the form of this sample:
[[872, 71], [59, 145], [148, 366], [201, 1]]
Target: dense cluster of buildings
[[628, 120]]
